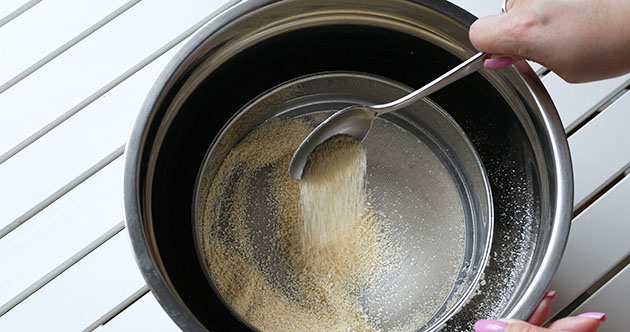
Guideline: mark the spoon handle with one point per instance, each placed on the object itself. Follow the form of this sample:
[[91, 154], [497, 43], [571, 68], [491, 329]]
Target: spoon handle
[[467, 67]]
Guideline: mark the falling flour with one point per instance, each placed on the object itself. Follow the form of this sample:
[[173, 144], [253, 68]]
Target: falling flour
[[333, 193]]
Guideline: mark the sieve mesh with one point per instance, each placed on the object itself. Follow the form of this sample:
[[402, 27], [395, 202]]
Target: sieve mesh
[[420, 193]]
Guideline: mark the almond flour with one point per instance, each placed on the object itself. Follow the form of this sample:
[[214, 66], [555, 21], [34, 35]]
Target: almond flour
[[327, 247]]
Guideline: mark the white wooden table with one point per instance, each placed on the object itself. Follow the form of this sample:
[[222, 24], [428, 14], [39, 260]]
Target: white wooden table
[[73, 73]]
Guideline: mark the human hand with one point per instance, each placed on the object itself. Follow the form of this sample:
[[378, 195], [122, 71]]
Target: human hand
[[586, 322], [580, 40]]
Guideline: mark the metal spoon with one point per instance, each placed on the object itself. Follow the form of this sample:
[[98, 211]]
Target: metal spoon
[[356, 120]]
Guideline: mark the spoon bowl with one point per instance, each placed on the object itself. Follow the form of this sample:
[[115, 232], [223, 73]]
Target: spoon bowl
[[356, 120]]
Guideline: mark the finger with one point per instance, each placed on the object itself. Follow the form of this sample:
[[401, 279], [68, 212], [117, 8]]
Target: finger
[[509, 34], [588, 322], [498, 62], [486, 34], [508, 5], [508, 325], [516, 58], [541, 313]]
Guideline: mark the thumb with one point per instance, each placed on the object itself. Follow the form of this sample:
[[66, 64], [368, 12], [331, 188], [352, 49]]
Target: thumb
[[502, 34]]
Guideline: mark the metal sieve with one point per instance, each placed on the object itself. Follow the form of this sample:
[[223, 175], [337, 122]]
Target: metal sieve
[[424, 177]]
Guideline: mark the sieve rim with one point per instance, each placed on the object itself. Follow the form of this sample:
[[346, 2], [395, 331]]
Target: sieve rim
[[446, 311]]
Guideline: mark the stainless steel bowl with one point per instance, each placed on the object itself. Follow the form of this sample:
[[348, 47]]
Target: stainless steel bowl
[[253, 46]]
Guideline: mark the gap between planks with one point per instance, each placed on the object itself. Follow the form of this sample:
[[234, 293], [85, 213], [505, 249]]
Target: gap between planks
[[118, 309], [67, 45], [542, 72], [598, 110], [61, 268], [599, 192], [62, 191], [18, 12], [591, 290]]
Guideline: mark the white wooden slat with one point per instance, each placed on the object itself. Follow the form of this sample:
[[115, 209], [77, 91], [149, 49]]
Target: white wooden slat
[[479, 8], [9, 9], [575, 102], [601, 149], [614, 300], [63, 154], [94, 65], [81, 295], [146, 314], [47, 29], [538, 68], [598, 241], [60, 231]]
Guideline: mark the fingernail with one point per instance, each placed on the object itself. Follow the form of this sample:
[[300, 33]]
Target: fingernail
[[498, 63], [600, 316], [551, 295], [489, 326]]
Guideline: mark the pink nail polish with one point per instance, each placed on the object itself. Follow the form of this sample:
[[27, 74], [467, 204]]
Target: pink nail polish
[[600, 316], [498, 63], [489, 326], [551, 294]]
